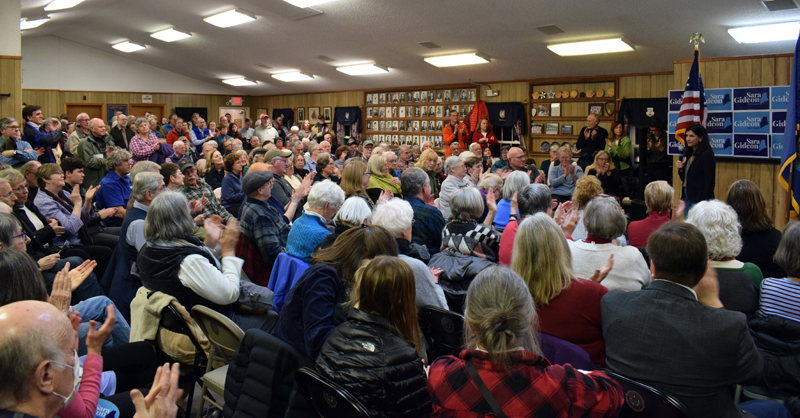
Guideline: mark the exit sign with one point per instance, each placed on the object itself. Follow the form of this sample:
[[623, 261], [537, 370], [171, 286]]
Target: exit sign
[[236, 101]]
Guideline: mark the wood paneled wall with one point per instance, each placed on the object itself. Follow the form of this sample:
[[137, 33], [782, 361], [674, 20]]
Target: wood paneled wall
[[771, 70], [11, 82], [645, 86]]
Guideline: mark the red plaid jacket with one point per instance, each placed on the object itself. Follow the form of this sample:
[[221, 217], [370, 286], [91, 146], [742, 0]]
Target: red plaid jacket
[[530, 387]]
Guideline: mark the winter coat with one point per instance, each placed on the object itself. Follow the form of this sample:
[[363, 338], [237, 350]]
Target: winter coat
[[778, 340]]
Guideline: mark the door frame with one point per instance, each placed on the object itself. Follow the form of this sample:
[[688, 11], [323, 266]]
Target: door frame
[[164, 114]]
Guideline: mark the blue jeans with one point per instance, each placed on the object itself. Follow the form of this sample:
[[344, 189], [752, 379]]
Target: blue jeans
[[765, 409], [95, 309], [89, 288], [689, 204]]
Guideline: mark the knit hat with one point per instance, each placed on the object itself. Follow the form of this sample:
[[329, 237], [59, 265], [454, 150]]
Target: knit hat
[[253, 180]]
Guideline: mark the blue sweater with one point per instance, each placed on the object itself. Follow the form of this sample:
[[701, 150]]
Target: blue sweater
[[307, 232], [232, 193]]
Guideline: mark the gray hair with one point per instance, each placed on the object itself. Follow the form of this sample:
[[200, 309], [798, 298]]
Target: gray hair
[[395, 216], [143, 166], [326, 192], [168, 218], [786, 255], [20, 353], [719, 224], [466, 204], [604, 219], [353, 212], [412, 180], [295, 144], [140, 121], [449, 163], [145, 182], [5, 122], [8, 228], [515, 182], [312, 146], [534, 198], [116, 158]]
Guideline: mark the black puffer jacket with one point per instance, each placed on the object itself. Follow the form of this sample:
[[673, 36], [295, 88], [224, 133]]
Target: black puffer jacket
[[370, 361], [458, 269], [778, 340]]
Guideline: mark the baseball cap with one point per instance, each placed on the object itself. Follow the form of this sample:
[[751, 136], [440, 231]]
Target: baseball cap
[[263, 115], [276, 153], [185, 165], [252, 181], [368, 143]]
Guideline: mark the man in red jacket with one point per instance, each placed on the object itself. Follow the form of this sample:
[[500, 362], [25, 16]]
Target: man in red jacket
[[453, 130], [176, 133]]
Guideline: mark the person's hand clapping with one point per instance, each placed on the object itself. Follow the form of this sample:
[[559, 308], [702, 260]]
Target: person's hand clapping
[[162, 400], [707, 288], [571, 221], [602, 272], [80, 273], [229, 238], [61, 294], [97, 337], [91, 192]]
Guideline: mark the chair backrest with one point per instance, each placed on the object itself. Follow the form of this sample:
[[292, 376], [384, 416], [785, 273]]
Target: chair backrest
[[329, 399], [455, 299], [172, 320], [561, 352], [220, 330], [285, 272], [645, 401], [444, 330]]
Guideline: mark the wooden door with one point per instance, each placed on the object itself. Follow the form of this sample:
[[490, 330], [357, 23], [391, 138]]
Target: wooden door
[[94, 110], [138, 109]]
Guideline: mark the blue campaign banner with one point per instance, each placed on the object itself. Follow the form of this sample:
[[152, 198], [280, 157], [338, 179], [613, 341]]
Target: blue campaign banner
[[777, 146], [673, 146], [672, 122], [718, 100], [780, 97], [751, 123], [719, 122], [722, 144], [751, 145], [675, 99], [778, 122], [751, 98]]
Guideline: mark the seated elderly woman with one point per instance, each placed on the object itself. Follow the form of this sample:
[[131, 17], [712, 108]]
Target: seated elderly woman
[[380, 180], [515, 182], [494, 183], [308, 231], [604, 220], [586, 188], [608, 174], [354, 212], [502, 348], [397, 217], [457, 178], [325, 169], [775, 292], [232, 195], [658, 197], [532, 199], [738, 282], [563, 175], [568, 307], [176, 263], [427, 161]]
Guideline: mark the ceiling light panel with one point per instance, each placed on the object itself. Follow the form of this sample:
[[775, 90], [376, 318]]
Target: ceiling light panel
[[293, 76], [25, 24], [306, 3], [240, 81], [604, 46], [128, 47], [766, 33], [363, 69], [171, 35], [62, 4], [230, 18], [458, 59]]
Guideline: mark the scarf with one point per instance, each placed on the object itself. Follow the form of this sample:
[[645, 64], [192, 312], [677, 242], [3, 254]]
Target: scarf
[[379, 181], [66, 202], [591, 239]]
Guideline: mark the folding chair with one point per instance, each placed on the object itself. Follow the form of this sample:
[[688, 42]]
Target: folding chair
[[645, 401], [172, 320], [329, 399], [443, 329]]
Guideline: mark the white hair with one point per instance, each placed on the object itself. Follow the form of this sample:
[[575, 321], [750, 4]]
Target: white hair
[[326, 192], [396, 216], [720, 225], [515, 182], [353, 212]]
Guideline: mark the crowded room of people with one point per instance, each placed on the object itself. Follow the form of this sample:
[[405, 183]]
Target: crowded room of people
[[342, 208]]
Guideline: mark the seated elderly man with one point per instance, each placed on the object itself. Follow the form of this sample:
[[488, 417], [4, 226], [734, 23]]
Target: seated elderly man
[[428, 220], [263, 226], [533, 198], [196, 189], [115, 188], [324, 199], [397, 217]]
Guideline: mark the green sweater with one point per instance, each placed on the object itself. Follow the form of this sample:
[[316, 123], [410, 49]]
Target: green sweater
[[621, 151]]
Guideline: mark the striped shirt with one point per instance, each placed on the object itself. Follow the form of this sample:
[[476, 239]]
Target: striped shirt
[[780, 297]]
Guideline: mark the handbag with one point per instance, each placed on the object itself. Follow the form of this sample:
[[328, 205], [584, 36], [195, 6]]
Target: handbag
[[253, 299], [476, 378]]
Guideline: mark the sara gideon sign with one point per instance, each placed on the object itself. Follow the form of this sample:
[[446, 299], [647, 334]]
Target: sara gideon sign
[[743, 122]]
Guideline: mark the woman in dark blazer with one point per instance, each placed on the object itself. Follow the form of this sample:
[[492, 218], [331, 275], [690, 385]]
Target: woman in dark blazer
[[699, 168]]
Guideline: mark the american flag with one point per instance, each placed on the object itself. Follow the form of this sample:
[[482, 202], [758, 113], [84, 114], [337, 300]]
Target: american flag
[[693, 106]]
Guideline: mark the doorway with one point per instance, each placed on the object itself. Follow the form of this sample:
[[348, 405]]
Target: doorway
[[158, 110], [94, 110], [238, 114]]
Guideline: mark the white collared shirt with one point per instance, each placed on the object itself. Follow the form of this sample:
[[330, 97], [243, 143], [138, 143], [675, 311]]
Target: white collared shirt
[[683, 286]]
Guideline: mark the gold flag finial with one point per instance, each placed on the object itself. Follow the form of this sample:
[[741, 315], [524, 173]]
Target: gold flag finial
[[696, 38]]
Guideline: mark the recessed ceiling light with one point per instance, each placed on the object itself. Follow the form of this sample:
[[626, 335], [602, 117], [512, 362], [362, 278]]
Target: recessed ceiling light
[[128, 47], [766, 33], [776, 5], [363, 69], [240, 81], [62, 4], [306, 3], [32, 22], [171, 35], [293, 76], [458, 59], [230, 18], [591, 47]]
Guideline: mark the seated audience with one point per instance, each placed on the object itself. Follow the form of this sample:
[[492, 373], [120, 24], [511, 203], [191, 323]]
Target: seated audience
[[115, 188], [503, 350], [514, 183], [380, 180], [428, 220], [490, 183], [375, 354], [759, 238], [309, 313], [517, 161], [232, 196], [427, 161], [533, 198], [604, 221], [144, 143], [738, 282], [15, 150], [215, 169], [324, 199], [779, 296], [562, 176], [325, 169], [658, 196], [73, 177], [547, 163], [694, 351], [29, 171], [586, 188], [353, 213], [355, 181], [262, 223], [299, 162], [198, 190], [457, 179], [608, 173], [282, 191]]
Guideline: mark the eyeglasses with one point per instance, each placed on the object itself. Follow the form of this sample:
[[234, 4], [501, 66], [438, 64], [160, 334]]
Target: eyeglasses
[[16, 128], [21, 188], [23, 235], [605, 160]]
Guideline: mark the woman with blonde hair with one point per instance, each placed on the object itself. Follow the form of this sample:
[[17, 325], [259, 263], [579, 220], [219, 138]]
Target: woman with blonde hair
[[427, 161], [586, 189], [568, 307], [375, 354], [608, 174], [658, 196], [380, 180], [355, 179], [215, 169], [502, 349]]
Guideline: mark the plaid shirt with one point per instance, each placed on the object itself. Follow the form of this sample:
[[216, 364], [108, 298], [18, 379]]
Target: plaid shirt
[[141, 149], [428, 224], [531, 387], [197, 193], [265, 226], [402, 166]]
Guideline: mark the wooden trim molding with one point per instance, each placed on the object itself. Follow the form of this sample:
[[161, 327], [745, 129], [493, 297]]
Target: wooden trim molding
[[745, 57], [10, 57], [136, 92]]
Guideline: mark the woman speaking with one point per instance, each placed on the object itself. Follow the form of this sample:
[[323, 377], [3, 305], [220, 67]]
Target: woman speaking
[[699, 168]]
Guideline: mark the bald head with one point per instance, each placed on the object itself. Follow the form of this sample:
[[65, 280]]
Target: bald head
[[516, 158], [592, 120], [97, 127]]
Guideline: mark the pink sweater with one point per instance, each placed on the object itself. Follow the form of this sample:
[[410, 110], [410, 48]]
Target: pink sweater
[[84, 404]]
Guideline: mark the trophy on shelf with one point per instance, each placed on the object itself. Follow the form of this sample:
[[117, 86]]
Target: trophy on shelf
[[551, 95]]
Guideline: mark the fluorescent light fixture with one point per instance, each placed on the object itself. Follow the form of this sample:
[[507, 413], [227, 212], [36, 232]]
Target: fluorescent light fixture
[[32, 23], [128, 47], [62, 4], [171, 35], [458, 59], [306, 3], [240, 81], [363, 69], [766, 33], [592, 47], [230, 18], [293, 76]]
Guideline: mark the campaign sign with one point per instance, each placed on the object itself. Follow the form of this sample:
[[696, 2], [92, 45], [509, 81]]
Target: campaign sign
[[721, 144], [778, 122], [780, 97], [751, 145], [675, 99], [719, 122], [673, 146], [751, 98], [751, 122], [719, 100], [777, 146], [672, 122]]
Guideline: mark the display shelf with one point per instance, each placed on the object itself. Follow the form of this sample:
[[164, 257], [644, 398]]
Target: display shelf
[[577, 99], [570, 118]]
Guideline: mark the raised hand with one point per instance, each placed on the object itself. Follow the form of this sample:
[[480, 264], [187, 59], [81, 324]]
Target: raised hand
[[491, 201], [514, 204], [602, 272], [61, 294], [80, 273], [76, 196], [97, 337], [568, 227], [435, 272], [229, 238], [162, 400], [91, 192]]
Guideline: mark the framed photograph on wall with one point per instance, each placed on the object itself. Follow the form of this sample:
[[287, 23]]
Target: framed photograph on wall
[[536, 129], [596, 108], [566, 129], [114, 108], [301, 115], [542, 109], [555, 110], [551, 128], [327, 111], [313, 114]]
